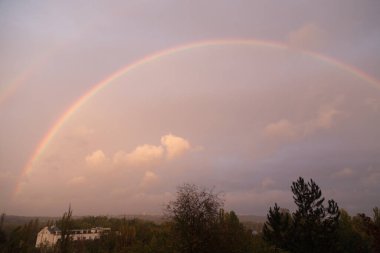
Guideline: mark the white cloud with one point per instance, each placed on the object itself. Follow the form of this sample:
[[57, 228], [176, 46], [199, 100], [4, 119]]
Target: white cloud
[[141, 155], [171, 147], [282, 129], [175, 146], [96, 159], [145, 154], [285, 130]]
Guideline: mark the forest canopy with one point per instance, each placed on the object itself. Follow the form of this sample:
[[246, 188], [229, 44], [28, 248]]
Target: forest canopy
[[196, 222]]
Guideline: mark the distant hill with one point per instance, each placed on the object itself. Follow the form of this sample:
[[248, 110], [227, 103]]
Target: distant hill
[[21, 220], [252, 218], [253, 222], [13, 221]]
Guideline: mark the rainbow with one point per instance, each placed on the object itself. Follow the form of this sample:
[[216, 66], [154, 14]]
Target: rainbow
[[49, 136], [8, 90]]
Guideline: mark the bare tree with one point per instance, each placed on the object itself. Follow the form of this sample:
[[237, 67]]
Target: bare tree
[[194, 215]]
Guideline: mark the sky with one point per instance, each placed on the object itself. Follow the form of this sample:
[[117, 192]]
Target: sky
[[111, 105]]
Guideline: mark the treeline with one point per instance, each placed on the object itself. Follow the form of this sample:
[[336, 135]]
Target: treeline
[[315, 227], [195, 222]]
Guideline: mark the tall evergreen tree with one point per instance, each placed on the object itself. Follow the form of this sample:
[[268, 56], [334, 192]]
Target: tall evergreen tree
[[314, 226], [277, 228], [311, 228]]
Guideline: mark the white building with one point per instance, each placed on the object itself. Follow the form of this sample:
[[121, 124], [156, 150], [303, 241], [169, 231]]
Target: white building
[[49, 236]]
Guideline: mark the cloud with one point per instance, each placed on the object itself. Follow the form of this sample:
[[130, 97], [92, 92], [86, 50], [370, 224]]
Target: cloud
[[96, 159], [325, 118], [282, 129], [120, 158], [142, 155], [149, 179], [285, 130], [171, 147], [308, 36], [343, 173], [175, 146]]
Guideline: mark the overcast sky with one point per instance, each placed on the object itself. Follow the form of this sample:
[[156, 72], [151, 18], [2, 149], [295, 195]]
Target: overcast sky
[[244, 118]]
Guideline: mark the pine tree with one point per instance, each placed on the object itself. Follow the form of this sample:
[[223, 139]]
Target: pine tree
[[277, 228], [314, 224], [311, 228]]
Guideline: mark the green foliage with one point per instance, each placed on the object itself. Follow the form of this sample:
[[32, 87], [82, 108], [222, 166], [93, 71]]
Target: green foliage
[[369, 229], [277, 229], [232, 235], [65, 225], [314, 225], [351, 238], [22, 239], [260, 245], [212, 229]]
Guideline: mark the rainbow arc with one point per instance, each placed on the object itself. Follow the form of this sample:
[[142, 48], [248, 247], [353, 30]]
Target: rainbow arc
[[98, 87]]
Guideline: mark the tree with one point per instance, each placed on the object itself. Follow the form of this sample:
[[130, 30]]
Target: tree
[[66, 225], [311, 228], [194, 215], [23, 238], [232, 235], [376, 229], [351, 239], [277, 228], [3, 236], [369, 228], [314, 226]]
